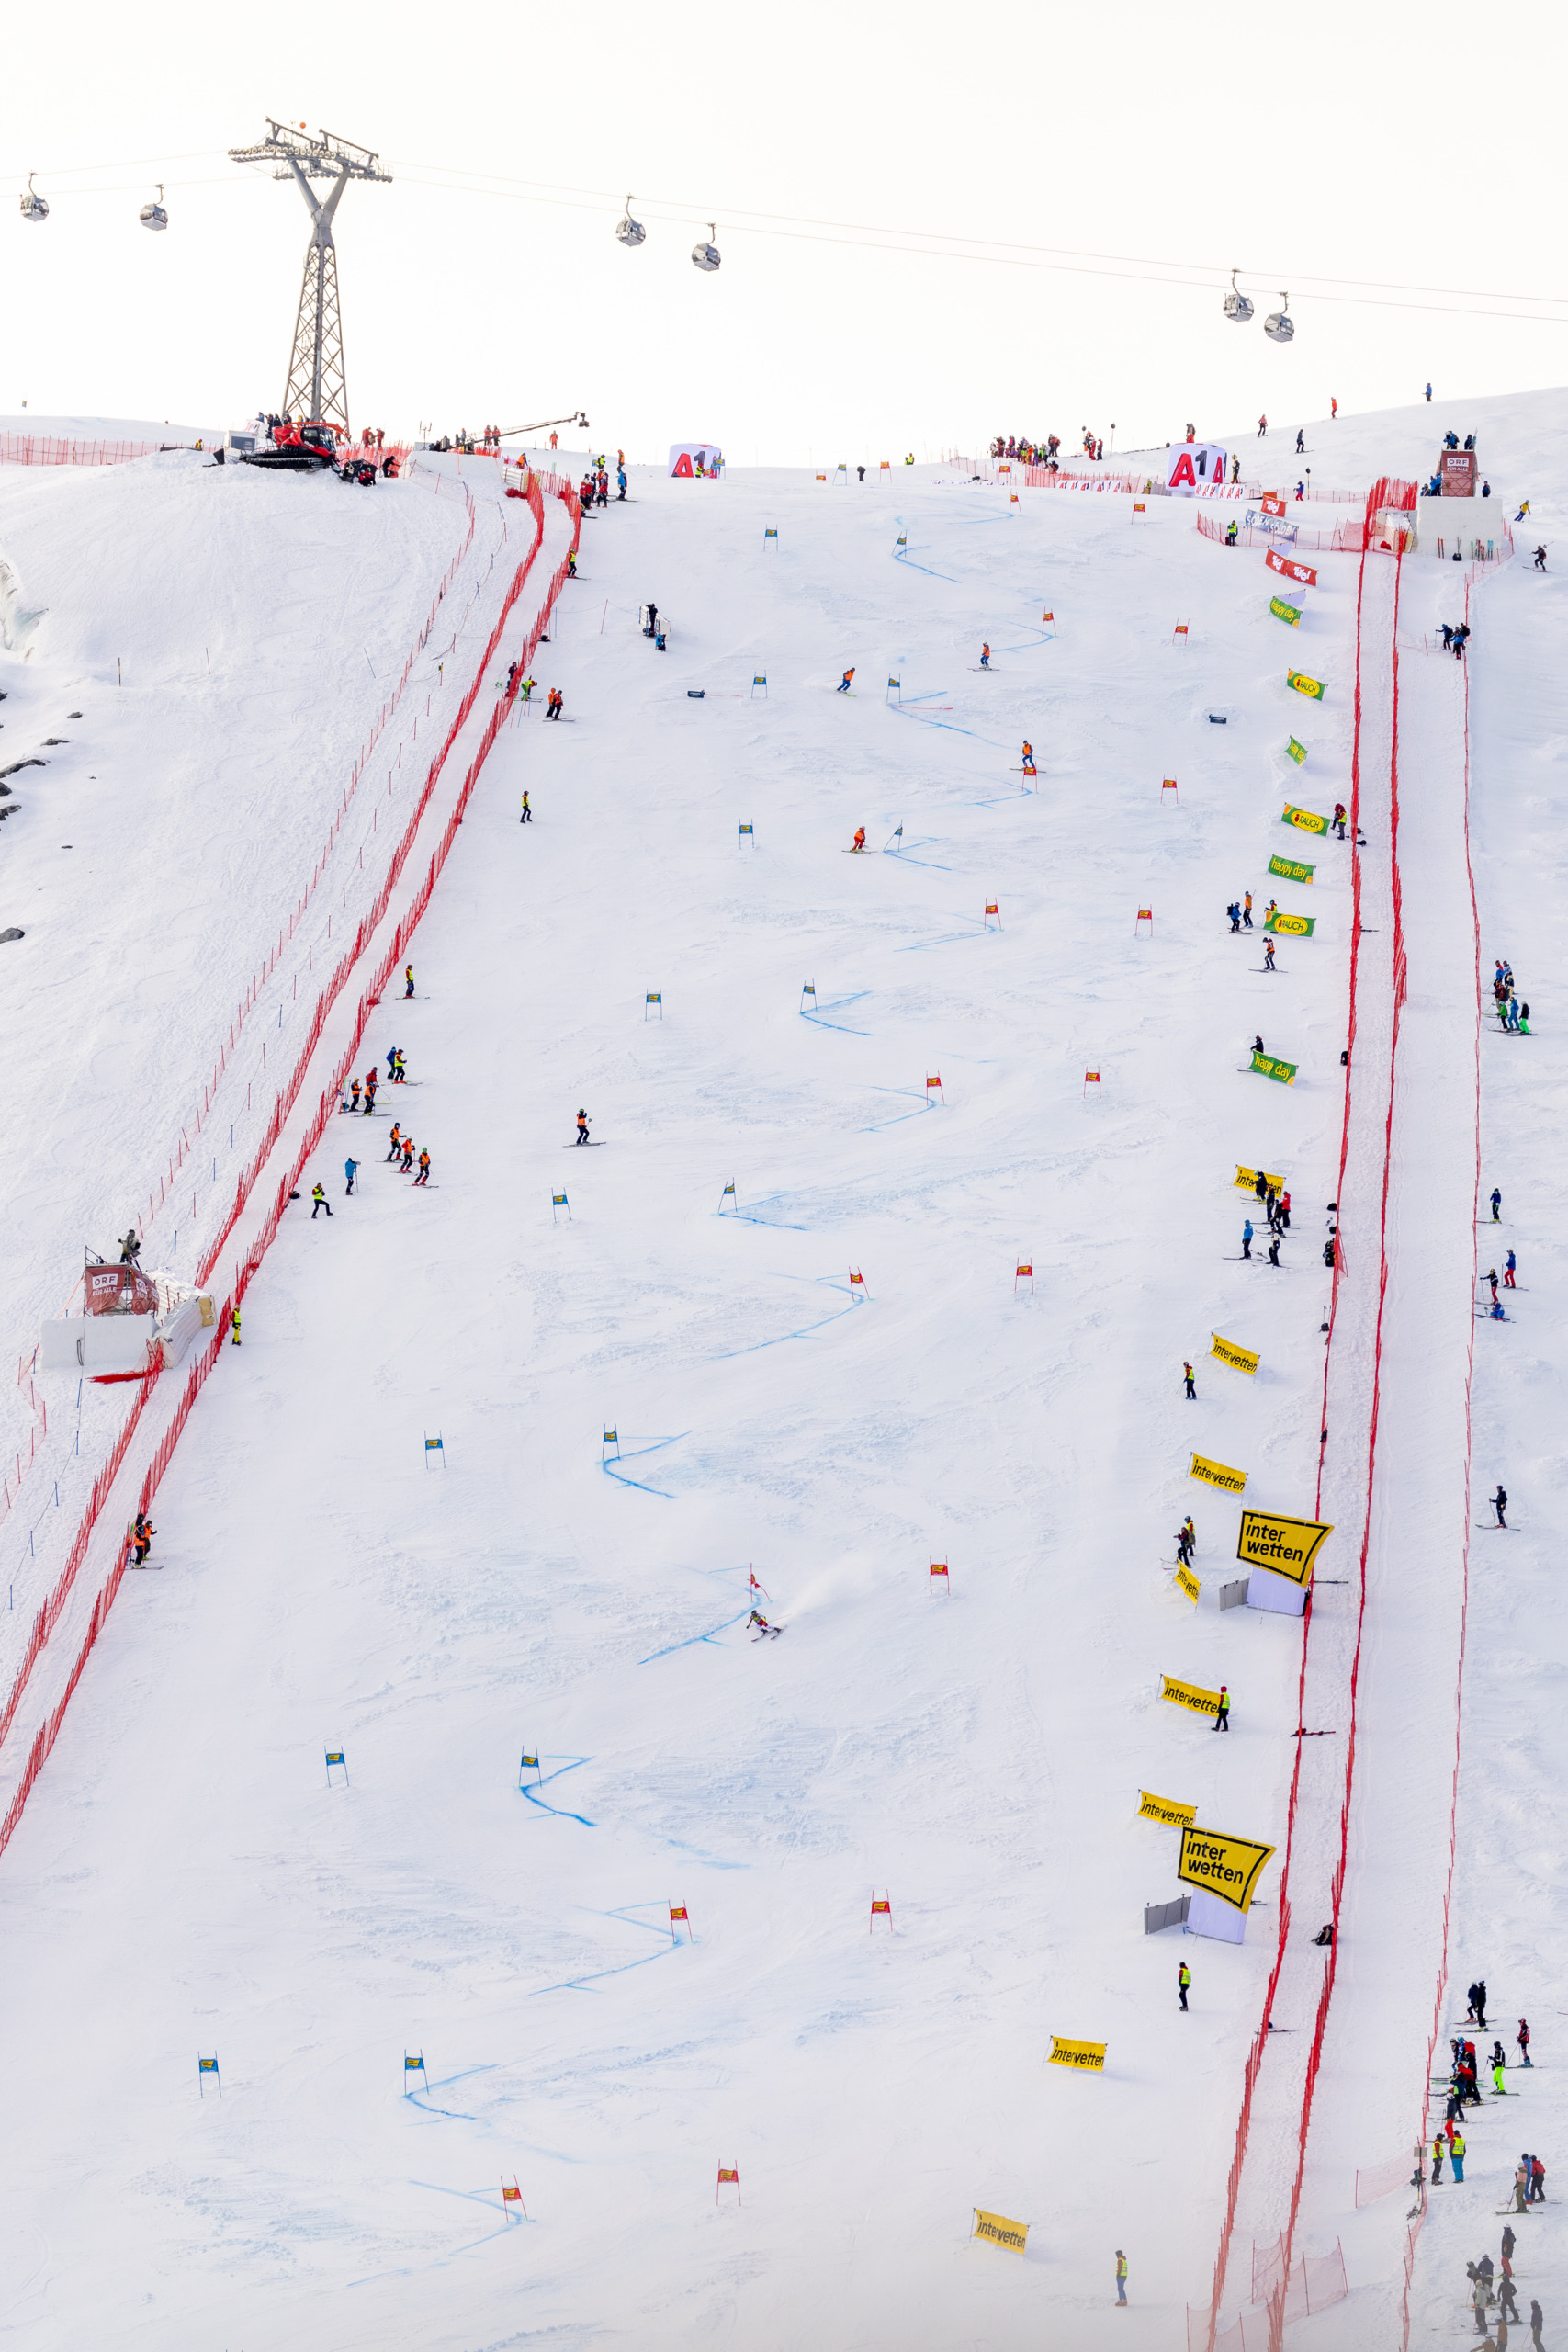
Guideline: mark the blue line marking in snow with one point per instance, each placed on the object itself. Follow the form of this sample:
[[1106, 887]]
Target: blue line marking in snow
[[693, 1639], [946, 724], [947, 939], [571, 1764], [775, 1224], [837, 1005], [922, 1100], [921, 841], [903, 556], [451, 2114], [596, 1975], [608, 1465], [805, 1329]]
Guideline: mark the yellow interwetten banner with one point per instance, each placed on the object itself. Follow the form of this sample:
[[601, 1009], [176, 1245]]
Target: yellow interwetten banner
[[1246, 1179], [1165, 1810], [1186, 1582], [1190, 1694], [1228, 1867], [999, 2230], [1217, 1474], [1239, 1358], [1088, 2055], [1289, 1546]]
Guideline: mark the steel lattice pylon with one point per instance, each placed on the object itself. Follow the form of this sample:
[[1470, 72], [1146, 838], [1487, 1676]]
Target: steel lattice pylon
[[318, 380]]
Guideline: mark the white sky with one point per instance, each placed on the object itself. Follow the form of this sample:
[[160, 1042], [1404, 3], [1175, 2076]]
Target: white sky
[[1283, 142]]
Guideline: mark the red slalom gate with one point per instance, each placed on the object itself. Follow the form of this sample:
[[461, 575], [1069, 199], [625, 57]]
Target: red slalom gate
[[49, 1613]]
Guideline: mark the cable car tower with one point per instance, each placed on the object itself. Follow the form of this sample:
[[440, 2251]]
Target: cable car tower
[[318, 387]]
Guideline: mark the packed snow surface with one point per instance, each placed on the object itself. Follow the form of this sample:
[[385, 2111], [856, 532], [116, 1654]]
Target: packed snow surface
[[761, 1010]]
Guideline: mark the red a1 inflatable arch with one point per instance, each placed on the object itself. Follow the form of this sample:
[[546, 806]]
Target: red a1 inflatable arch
[[1195, 466]]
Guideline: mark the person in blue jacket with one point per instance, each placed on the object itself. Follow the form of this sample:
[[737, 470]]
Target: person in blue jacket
[[350, 1170], [1246, 1238]]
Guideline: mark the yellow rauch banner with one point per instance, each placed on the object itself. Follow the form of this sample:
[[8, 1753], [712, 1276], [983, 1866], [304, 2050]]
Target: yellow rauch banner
[[1271, 1066], [1289, 1546], [1304, 685], [1291, 869], [1290, 926], [999, 2230], [1246, 1179], [1165, 1810], [1186, 1582], [1088, 2055], [1228, 1867], [1306, 821], [1239, 1358], [1217, 1474], [1190, 1694]]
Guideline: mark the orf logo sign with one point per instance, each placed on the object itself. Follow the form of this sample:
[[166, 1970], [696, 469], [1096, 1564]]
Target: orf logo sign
[[1195, 466]]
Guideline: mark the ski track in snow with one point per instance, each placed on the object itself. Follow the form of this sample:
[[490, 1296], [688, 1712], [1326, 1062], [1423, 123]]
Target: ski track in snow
[[182, 1879]]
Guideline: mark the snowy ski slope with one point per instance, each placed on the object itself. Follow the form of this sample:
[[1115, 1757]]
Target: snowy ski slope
[[184, 1879]]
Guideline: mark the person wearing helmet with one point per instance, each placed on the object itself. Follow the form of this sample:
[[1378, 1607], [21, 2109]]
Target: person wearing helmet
[[583, 1126]]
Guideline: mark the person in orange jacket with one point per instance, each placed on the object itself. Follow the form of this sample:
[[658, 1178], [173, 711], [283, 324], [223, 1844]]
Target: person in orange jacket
[[985, 657], [424, 1176], [397, 1142], [371, 1083], [859, 841], [845, 682]]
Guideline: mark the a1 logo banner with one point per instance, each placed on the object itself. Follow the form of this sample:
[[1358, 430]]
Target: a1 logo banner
[[1223, 1865], [1271, 1066], [1291, 869], [1190, 1695], [1294, 751], [1306, 821], [996, 2230], [1311, 688], [1166, 1811], [1302, 573], [1290, 926], [1089, 2057], [1187, 1583], [1286, 1546], [1239, 1358], [1290, 614], [1217, 1474], [1194, 465]]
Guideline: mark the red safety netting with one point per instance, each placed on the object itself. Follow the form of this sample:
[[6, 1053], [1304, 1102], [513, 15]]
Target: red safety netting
[[192, 1123], [45, 449], [1384, 494], [1373, 2181], [1346, 538], [48, 1615]]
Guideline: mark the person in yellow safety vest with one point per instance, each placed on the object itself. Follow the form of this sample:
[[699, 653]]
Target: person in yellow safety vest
[[1455, 2155], [1440, 2150], [910, 459], [234, 1319], [1183, 1980], [571, 563], [319, 1201], [527, 816], [527, 688], [1120, 2278]]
